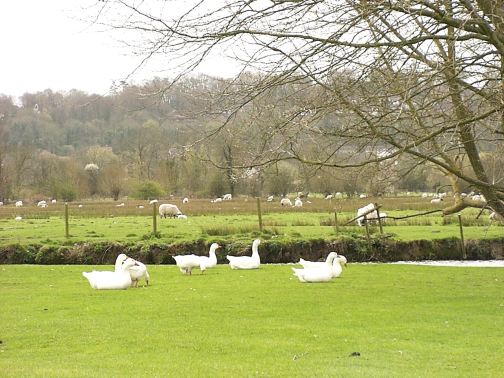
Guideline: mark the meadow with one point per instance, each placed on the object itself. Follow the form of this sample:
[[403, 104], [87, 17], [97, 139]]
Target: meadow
[[235, 220], [376, 320]]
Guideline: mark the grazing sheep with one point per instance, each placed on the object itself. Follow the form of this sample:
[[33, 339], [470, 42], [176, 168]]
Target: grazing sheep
[[362, 196], [80, 206], [436, 200], [153, 201], [120, 204], [227, 197], [19, 203], [374, 216], [168, 210], [363, 210], [141, 206], [329, 196], [53, 201], [18, 218], [270, 198], [285, 202], [495, 217], [185, 200], [298, 202], [425, 195], [216, 200], [1, 203]]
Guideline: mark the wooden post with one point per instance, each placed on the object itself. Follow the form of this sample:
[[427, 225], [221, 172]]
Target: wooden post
[[154, 218], [367, 231], [67, 232], [336, 221], [462, 243], [259, 214], [379, 221]]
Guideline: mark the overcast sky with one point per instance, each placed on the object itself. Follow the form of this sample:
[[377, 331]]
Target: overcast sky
[[45, 46]]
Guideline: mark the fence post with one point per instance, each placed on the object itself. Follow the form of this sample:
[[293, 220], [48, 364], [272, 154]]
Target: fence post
[[462, 243], [154, 218], [367, 231], [259, 214], [336, 221], [67, 232], [379, 221]]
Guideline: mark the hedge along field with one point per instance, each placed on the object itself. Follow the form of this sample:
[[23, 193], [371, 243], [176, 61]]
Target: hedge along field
[[376, 320], [234, 220]]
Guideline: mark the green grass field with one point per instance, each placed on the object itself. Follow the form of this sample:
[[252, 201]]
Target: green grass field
[[404, 321], [235, 220]]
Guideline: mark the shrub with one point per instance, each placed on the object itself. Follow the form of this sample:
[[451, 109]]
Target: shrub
[[148, 190]]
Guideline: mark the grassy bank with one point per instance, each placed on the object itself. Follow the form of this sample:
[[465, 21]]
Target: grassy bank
[[402, 320]]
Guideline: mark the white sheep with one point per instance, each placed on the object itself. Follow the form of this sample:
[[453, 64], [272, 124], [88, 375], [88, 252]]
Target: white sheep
[[185, 200], [285, 202], [217, 200], [18, 218], [436, 200], [425, 195], [153, 201], [141, 206], [42, 204], [362, 196], [494, 217], [227, 197], [19, 204], [1, 203], [168, 210], [120, 204], [329, 196], [53, 201], [361, 211], [270, 199], [374, 216], [80, 206], [298, 202]]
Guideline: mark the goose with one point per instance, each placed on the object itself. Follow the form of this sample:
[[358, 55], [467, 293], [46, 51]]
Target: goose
[[211, 260], [246, 262], [186, 263], [119, 280], [137, 271], [322, 273], [337, 264]]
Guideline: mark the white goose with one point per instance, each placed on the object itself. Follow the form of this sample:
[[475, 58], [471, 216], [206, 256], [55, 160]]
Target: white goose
[[137, 271], [323, 273], [246, 262], [209, 261], [337, 263], [117, 280], [186, 263]]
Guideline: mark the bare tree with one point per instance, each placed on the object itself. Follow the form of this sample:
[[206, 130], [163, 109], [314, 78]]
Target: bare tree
[[365, 81]]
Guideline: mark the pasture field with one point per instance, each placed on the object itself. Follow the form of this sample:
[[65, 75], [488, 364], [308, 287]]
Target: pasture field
[[376, 320], [234, 220]]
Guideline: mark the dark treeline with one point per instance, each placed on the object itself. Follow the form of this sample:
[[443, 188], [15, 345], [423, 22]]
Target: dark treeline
[[142, 141]]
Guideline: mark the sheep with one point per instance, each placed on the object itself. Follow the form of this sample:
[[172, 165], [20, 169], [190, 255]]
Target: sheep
[[227, 197], [80, 206], [181, 216], [285, 202], [53, 201], [436, 200], [363, 210], [362, 196], [216, 200], [19, 204], [168, 210], [42, 204], [120, 204], [270, 199], [141, 206], [1, 203], [425, 195], [329, 196], [185, 200], [18, 218], [153, 201], [298, 202], [495, 217], [374, 216]]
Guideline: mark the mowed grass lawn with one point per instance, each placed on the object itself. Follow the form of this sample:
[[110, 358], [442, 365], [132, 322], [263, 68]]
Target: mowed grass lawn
[[404, 321]]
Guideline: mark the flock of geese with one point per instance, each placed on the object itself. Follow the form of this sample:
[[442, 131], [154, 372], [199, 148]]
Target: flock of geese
[[128, 272]]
